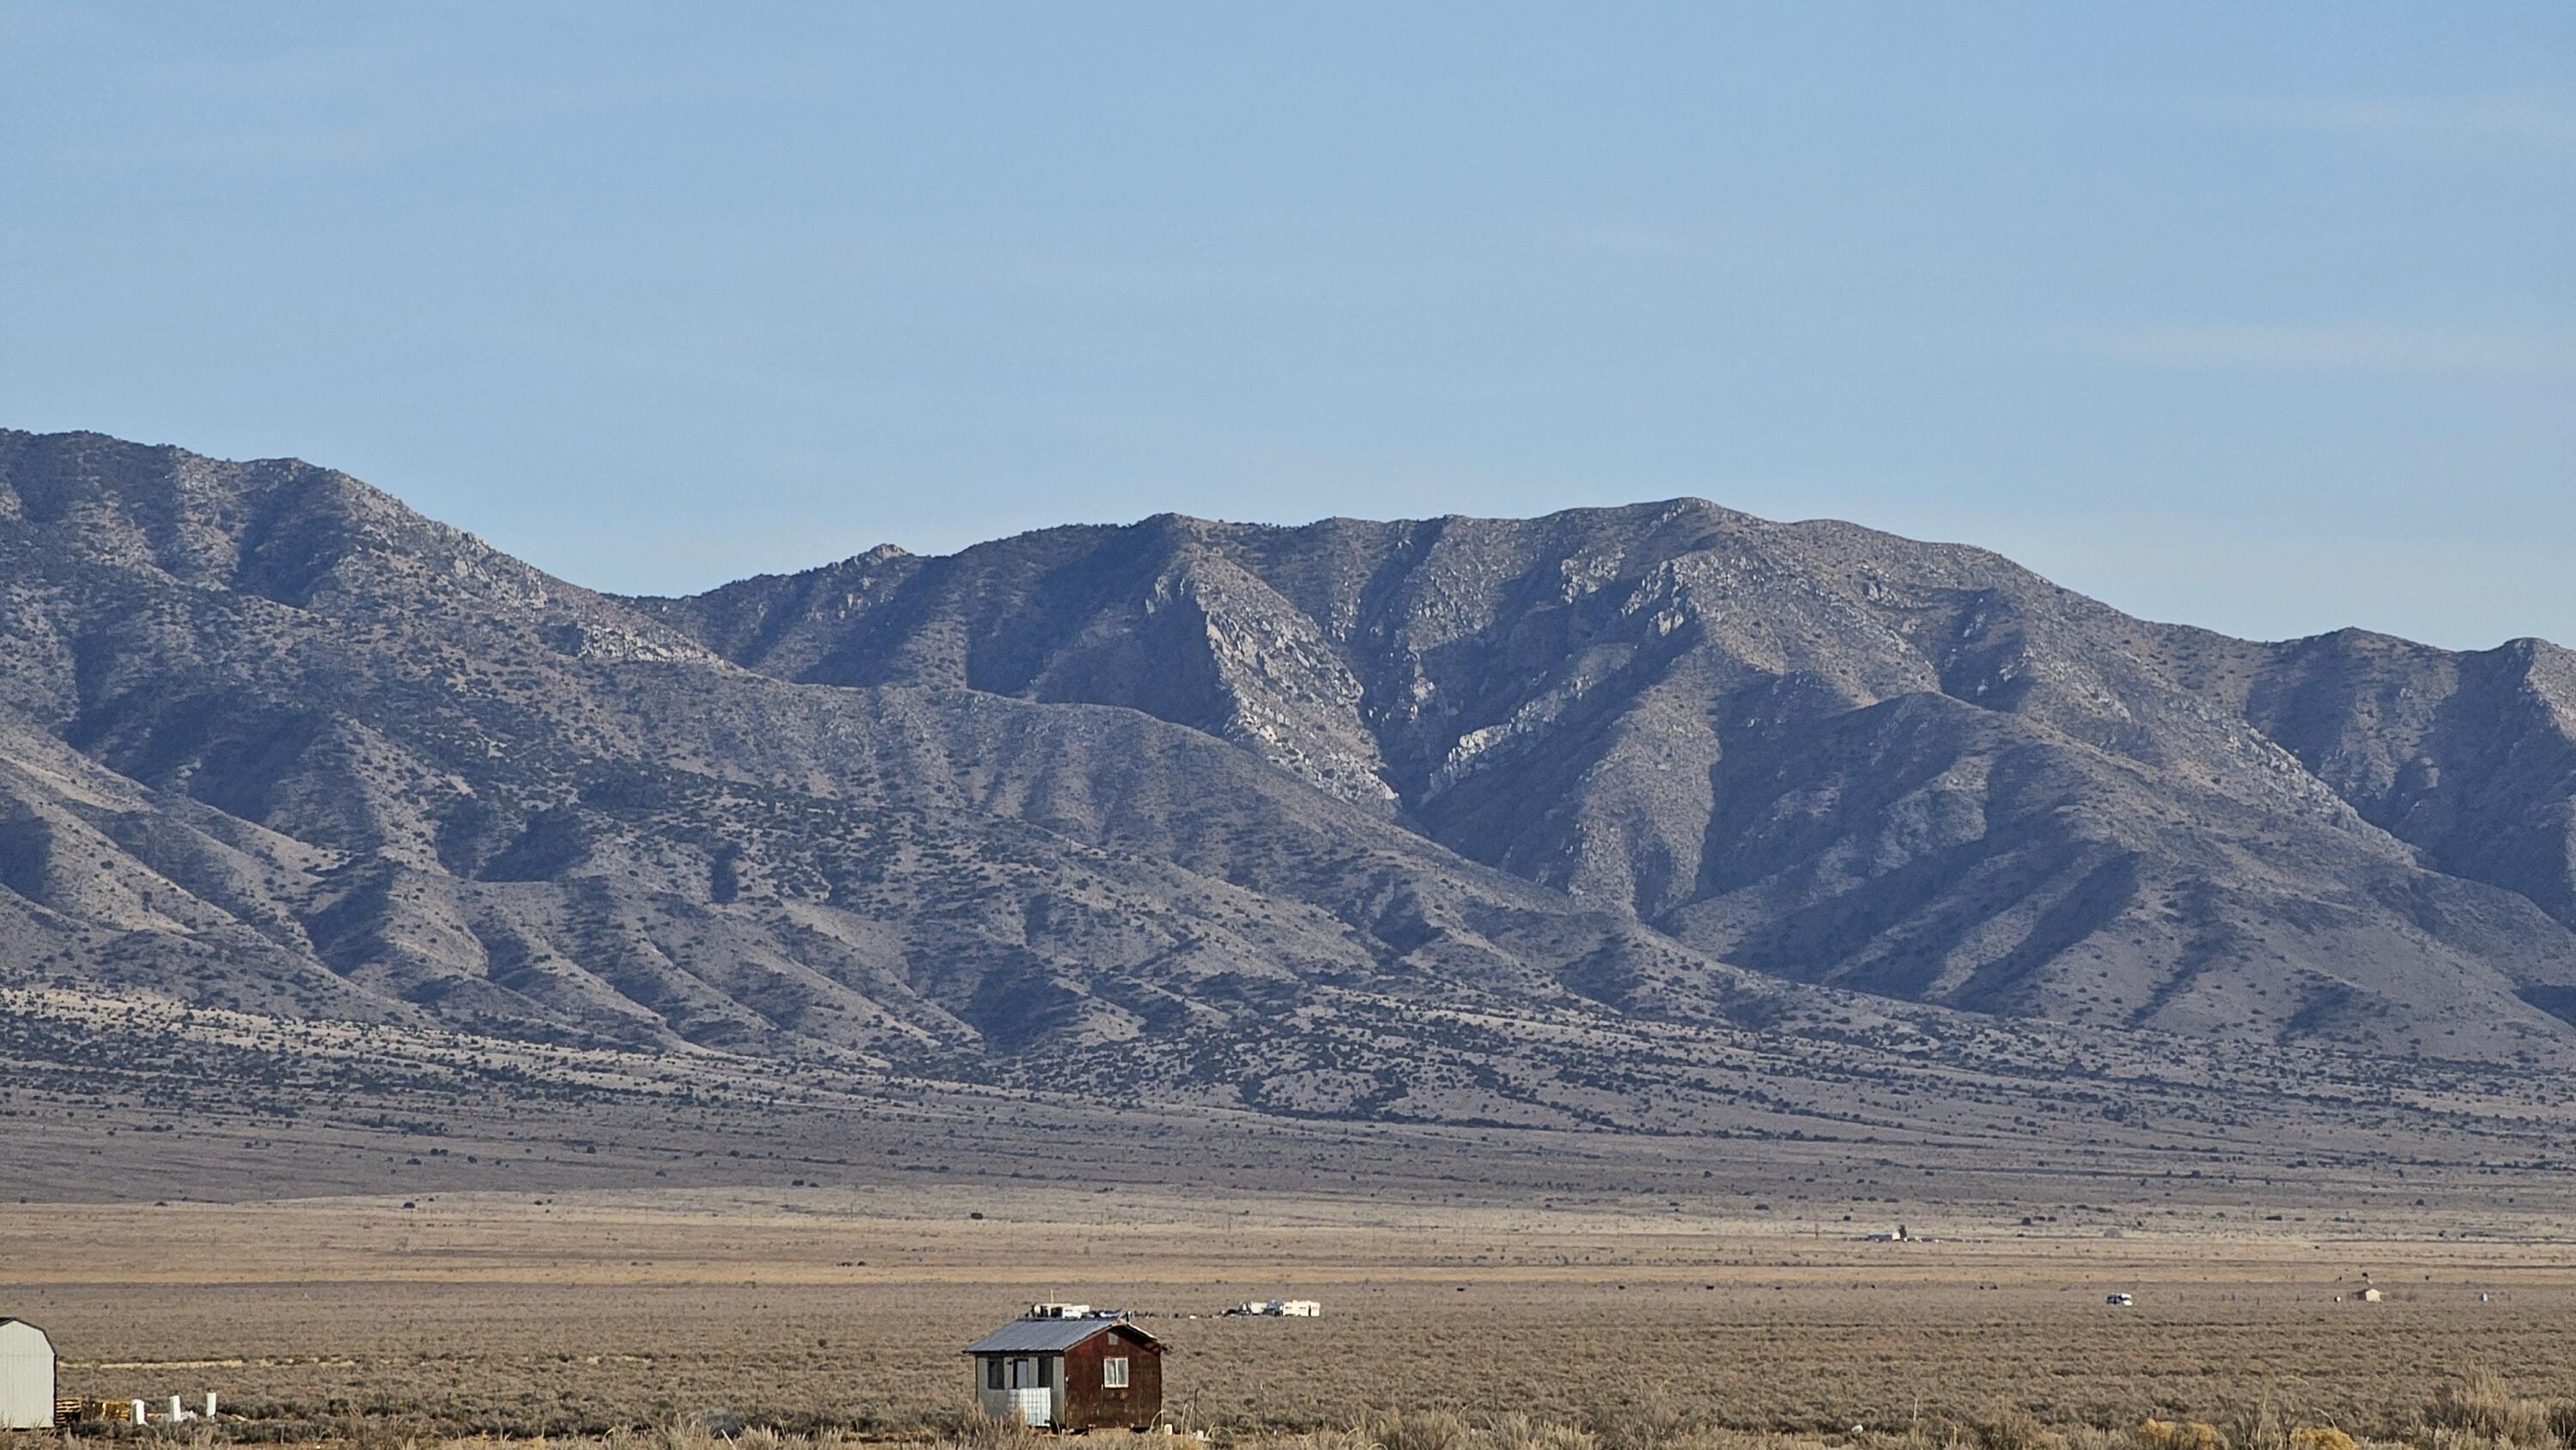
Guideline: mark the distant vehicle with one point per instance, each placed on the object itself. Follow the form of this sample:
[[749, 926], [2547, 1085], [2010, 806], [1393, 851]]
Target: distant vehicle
[[2120, 1300]]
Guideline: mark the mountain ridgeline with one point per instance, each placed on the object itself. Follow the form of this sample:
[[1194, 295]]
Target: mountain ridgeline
[[1186, 793]]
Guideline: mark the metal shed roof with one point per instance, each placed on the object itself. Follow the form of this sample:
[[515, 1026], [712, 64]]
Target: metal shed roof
[[1049, 1336]]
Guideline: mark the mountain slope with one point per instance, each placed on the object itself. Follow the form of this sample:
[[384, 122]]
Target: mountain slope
[[1351, 816], [1812, 749], [476, 796]]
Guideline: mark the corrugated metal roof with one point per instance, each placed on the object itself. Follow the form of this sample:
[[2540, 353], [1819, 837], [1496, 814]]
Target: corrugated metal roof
[[1049, 1336]]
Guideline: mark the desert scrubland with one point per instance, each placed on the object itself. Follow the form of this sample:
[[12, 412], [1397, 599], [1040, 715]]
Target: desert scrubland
[[839, 1313]]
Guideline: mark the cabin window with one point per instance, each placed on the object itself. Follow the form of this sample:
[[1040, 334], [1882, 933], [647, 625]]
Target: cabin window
[[1113, 1373], [1046, 1371], [993, 1373]]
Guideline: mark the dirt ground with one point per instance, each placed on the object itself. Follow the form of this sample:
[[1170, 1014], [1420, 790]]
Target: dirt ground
[[817, 1308]]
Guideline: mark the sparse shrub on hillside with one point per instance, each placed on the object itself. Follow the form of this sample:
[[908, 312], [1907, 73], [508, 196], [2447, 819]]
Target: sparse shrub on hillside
[[2259, 1426], [1517, 1431], [2527, 1427], [2180, 1435], [1656, 1420], [2481, 1403], [2014, 1429], [1356, 1438], [1419, 1430], [2477, 1401], [978, 1429]]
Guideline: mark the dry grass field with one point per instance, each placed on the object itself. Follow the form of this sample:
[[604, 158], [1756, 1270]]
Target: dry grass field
[[373, 1242], [824, 1313]]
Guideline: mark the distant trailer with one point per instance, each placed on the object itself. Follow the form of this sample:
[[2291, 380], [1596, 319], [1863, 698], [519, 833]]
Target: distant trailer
[[26, 1377], [2120, 1300], [1280, 1308]]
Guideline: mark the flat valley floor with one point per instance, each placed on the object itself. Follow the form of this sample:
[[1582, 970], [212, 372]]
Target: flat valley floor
[[484, 1312]]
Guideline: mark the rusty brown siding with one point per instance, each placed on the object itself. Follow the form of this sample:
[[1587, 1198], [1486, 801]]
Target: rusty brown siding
[[1091, 1405]]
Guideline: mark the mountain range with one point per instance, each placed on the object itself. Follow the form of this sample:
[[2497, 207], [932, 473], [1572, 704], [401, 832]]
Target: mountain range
[[1327, 819]]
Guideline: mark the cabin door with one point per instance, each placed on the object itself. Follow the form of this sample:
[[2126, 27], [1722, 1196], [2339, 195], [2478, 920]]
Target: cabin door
[[1033, 1402]]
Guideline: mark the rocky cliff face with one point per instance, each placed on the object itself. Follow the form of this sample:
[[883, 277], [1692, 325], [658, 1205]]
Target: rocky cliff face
[[269, 740]]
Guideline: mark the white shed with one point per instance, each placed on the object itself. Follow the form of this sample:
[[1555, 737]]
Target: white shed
[[26, 1377]]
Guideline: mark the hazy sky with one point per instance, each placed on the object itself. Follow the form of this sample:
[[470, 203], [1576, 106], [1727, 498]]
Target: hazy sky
[[2256, 316]]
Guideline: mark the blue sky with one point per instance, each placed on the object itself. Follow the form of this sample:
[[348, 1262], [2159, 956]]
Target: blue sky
[[2259, 317]]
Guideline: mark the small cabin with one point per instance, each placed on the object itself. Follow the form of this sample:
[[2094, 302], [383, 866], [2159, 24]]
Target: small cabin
[[26, 1377], [2370, 1296], [1095, 1372]]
